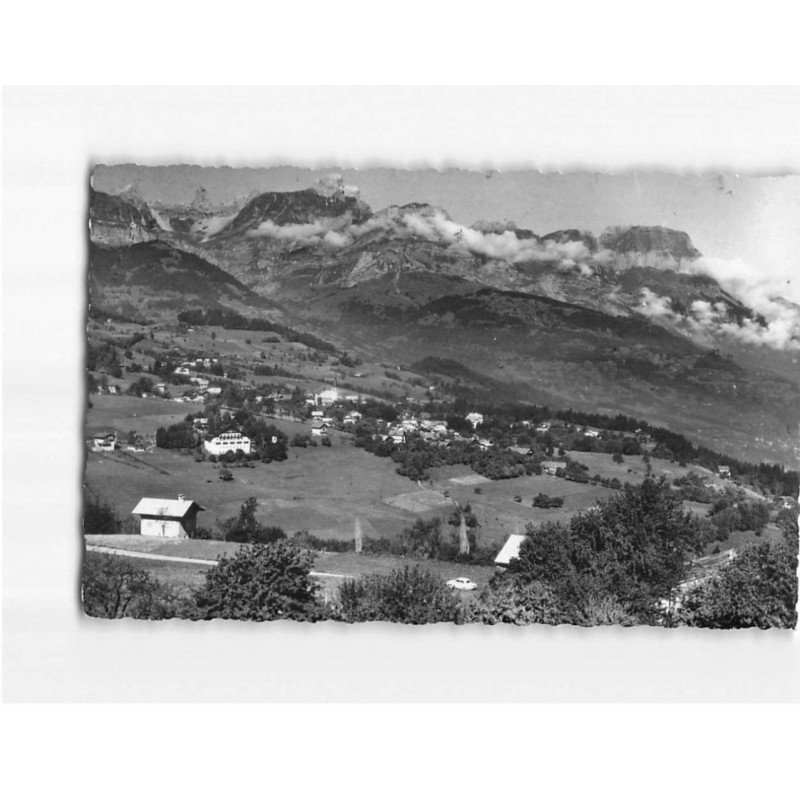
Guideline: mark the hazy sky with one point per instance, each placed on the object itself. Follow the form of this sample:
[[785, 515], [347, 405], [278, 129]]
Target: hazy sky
[[751, 223]]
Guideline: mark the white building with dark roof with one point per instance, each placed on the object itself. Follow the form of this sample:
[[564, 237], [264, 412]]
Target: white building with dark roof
[[167, 518], [229, 441], [104, 442]]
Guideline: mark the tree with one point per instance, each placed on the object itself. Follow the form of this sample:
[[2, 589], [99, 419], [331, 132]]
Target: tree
[[112, 589], [423, 539], [247, 529], [99, 517], [758, 589], [177, 437], [261, 582], [634, 547], [410, 595], [464, 537], [141, 386]]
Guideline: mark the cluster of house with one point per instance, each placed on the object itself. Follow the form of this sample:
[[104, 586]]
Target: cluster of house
[[203, 385], [330, 397], [430, 430], [187, 367], [108, 442], [321, 422]]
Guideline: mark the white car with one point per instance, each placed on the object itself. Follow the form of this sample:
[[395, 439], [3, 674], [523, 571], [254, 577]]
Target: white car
[[462, 583]]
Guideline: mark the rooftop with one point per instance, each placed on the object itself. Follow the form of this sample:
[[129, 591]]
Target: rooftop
[[165, 507], [510, 549]]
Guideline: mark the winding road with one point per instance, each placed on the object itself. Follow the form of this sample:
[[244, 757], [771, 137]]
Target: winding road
[[116, 551]]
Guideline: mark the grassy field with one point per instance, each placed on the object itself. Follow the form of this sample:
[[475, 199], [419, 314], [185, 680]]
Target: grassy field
[[182, 578], [124, 413], [185, 577], [359, 565], [181, 548], [740, 539], [633, 468], [245, 348], [322, 490], [318, 489]]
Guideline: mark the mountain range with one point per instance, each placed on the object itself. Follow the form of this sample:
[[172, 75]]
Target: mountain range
[[625, 321]]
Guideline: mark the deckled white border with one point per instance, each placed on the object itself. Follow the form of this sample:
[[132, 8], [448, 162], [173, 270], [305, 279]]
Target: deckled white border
[[50, 138]]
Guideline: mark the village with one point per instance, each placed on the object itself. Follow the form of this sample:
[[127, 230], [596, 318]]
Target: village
[[183, 429]]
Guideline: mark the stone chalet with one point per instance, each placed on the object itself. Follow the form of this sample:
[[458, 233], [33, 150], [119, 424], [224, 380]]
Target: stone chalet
[[167, 518]]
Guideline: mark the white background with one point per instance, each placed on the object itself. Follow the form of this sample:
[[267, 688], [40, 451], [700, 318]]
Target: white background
[[51, 653]]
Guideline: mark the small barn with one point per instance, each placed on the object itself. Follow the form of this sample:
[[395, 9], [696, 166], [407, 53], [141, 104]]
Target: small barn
[[319, 428], [104, 443], [167, 518], [509, 550]]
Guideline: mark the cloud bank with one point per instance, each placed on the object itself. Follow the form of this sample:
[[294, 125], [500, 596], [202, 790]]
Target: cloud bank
[[778, 326], [777, 323], [434, 226]]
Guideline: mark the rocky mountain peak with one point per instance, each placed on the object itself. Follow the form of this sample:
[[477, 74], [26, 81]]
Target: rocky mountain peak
[[646, 240], [500, 227], [116, 221], [568, 235], [297, 208]]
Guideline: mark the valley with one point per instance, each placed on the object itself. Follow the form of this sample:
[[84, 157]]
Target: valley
[[403, 389]]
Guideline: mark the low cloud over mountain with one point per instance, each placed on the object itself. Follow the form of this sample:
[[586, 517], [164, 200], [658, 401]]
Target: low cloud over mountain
[[775, 322], [607, 272]]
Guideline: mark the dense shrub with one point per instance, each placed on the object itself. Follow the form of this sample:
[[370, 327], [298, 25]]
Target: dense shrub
[[409, 595], [260, 582], [141, 386], [757, 589], [546, 501], [112, 588], [177, 437]]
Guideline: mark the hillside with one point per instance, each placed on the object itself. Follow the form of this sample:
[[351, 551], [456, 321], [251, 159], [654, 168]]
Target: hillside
[[622, 322], [148, 278]]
